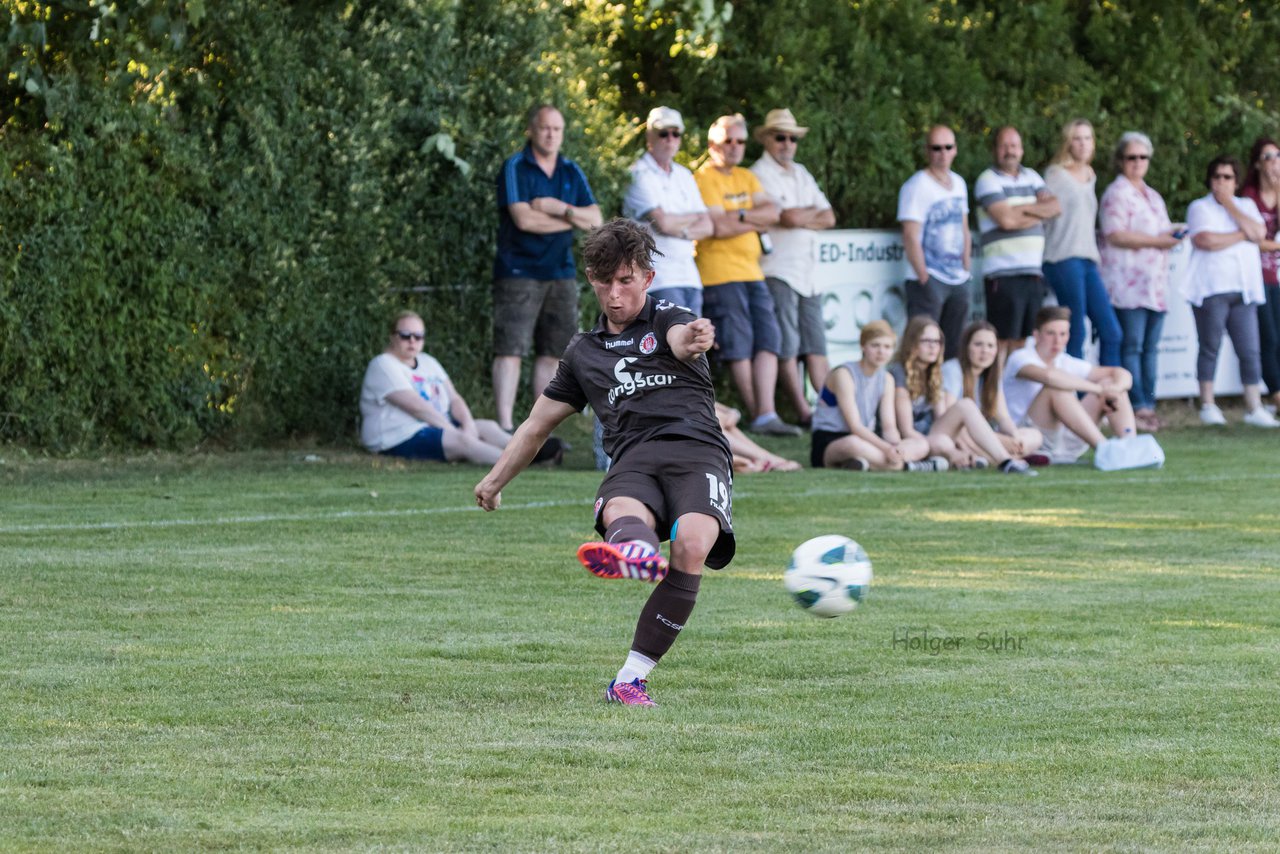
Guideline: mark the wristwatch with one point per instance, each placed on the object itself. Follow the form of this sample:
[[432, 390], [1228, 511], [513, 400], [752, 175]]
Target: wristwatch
[[684, 234], [742, 214], [568, 213]]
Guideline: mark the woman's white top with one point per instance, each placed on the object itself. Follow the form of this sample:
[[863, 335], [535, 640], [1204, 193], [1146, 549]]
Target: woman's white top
[[1236, 269]]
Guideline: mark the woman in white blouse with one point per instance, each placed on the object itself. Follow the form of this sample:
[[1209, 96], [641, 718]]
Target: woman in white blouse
[[1224, 287]]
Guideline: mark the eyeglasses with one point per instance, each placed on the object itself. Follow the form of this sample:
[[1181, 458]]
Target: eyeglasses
[[735, 142], [410, 336], [668, 134], [946, 147], [937, 342], [785, 137], [1133, 157], [1224, 176], [1270, 155]]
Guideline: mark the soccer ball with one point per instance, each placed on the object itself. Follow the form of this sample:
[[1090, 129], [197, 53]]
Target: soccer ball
[[828, 575]]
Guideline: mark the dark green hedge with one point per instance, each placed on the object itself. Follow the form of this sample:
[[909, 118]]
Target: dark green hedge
[[208, 211]]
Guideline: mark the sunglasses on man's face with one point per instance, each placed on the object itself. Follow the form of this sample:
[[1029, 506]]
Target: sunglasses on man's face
[[946, 147], [1133, 157], [410, 336], [785, 137], [668, 134]]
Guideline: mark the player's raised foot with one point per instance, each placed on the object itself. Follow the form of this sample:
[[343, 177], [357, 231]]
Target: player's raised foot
[[623, 560], [631, 693]]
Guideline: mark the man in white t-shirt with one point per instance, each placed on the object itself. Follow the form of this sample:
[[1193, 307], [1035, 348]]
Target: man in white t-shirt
[[664, 196], [1041, 386], [409, 407], [790, 267], [933, 207]]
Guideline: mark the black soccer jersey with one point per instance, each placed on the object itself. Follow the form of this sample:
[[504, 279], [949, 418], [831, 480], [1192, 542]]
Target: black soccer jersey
[[637, 387]]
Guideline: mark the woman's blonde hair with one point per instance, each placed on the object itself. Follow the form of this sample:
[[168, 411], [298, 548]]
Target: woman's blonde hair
[[876, 329], [1063, 157], [926, 381], [395, 324]]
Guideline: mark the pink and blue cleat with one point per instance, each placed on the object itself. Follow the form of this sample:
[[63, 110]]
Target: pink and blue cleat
[[631, 693], [630, 559]]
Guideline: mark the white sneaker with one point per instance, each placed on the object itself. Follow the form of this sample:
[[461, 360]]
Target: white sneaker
[[931, 464], [1210, 414], [1260, 417]]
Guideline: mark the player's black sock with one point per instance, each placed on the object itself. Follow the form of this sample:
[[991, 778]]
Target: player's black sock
[[627, 528], [665, 614]]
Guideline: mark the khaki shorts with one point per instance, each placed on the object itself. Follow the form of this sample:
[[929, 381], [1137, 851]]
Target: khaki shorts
[[534, 312], [800, 320]]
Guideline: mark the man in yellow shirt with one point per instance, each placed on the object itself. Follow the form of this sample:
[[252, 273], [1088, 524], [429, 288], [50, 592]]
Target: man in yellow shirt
[[735, 297]]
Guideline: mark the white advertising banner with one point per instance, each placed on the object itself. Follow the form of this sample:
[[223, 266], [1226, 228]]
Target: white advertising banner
[[862, 271]]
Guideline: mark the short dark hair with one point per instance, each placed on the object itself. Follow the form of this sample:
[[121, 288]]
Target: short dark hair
[[1050, 313], [1221, 160], [537, 110], [616, 244]]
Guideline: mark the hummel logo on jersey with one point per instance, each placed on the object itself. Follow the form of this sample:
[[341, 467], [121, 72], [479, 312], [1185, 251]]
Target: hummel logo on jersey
[[667, 305], [629, 383], [620, 342]]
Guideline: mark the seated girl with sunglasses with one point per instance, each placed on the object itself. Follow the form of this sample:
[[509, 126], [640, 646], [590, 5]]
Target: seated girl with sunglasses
[[409, 407]]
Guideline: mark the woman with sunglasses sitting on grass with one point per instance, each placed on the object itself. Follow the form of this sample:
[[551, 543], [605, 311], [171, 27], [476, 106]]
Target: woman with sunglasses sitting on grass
[[925, 409], [409, 407], [975, 375]]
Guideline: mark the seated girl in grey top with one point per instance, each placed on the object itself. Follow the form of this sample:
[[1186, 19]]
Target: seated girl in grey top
[[854, 423]]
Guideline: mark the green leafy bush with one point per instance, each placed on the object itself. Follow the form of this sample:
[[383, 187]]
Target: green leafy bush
[[210, 212]]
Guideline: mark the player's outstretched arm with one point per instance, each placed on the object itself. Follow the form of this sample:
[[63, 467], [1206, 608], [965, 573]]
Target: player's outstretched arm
[[520, 451], [690, 340]]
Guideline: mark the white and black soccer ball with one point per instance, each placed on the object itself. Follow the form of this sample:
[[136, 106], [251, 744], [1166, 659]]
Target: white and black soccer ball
[[828, 575]]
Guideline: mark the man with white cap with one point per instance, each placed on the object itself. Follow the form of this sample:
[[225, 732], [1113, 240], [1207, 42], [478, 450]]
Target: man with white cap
[[789, 269], [664, 196]]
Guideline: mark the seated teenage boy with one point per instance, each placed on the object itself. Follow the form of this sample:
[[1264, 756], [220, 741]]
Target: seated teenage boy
[[1042, 385]]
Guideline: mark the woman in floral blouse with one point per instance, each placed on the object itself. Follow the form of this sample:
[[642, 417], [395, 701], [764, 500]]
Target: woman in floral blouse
[[1137, 237]]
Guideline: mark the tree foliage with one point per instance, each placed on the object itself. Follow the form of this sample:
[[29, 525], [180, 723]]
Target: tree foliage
[[209, 212]]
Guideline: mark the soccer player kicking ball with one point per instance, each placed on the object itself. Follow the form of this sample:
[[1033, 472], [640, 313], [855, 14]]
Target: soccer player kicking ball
[[643, 370]]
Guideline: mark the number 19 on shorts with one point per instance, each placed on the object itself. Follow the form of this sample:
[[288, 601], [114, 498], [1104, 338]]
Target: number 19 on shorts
[[718, 496]]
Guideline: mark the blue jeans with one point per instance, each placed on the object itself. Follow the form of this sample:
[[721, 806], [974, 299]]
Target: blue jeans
[[1269, 338], [1142, 328], [1078, 287]]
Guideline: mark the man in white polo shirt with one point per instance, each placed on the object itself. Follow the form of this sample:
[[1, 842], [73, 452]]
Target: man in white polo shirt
[[664, 196], [1013, 205], [933, 207], [789, 269]]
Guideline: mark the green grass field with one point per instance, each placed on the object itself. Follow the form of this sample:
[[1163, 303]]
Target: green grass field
[[256, 651]]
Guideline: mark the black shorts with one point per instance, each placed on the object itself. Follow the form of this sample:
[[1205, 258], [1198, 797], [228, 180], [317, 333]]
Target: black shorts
[[821, 439], [1012, 303], [673, 477]]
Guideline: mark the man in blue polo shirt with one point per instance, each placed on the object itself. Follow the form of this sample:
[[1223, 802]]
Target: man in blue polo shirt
[[542, 198]]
